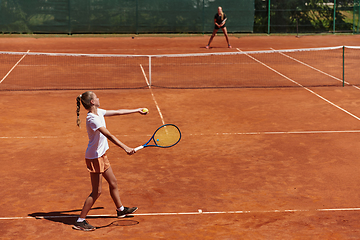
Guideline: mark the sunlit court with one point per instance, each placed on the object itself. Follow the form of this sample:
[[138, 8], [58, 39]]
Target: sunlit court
[[269, 143]]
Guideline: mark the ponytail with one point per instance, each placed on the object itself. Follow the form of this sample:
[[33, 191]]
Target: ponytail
[[78, 99], [222, 14], [85, 100]]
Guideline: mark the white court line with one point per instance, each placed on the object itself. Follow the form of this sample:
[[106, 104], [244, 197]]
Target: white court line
[[13, 67], [39, 137], [147, 81], [338, 79], [307, 89], [152, 94], [276, 133], [212, 134], [199, 212]]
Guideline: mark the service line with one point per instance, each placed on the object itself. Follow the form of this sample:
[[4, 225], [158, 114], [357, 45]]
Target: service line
[[307, 89], [152, 94], [14, 67], [307, 65]]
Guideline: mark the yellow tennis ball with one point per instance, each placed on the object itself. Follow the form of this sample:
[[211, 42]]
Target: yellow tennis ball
[[145, 110]]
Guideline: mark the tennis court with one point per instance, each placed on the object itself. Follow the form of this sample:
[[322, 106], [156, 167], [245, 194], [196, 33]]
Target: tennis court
[[254, 162]]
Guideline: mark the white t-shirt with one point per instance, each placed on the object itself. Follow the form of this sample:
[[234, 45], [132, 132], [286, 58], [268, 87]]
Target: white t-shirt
[[98, 143]]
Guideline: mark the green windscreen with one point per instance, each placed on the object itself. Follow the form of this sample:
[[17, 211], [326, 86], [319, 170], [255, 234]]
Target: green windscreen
[[123, 16]]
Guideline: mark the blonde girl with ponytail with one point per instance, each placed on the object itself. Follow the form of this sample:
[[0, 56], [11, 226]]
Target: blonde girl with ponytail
[[95, 156], [219, 20]]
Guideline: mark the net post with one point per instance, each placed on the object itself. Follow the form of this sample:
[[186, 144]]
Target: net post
[[358, 17], [343, 66], [149, 71], [137, 18], [354, 17], [334, 17], [203, 17], [269, 16], [69, 22]]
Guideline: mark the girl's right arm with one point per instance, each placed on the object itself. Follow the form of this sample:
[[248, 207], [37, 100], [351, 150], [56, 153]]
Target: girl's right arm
[[116, 141], [216, 23]]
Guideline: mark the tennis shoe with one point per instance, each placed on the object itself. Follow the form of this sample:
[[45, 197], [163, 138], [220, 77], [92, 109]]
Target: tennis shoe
[[207, 47], [230, 46], [126, 211], [84, 226]]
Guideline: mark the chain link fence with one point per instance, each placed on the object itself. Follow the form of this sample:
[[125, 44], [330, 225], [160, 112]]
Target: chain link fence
[[178, 16]]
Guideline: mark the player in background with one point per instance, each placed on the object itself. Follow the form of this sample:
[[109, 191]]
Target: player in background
[[219, 20]]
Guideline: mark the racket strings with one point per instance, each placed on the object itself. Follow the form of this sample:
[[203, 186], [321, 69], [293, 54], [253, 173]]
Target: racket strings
[[167, 136]]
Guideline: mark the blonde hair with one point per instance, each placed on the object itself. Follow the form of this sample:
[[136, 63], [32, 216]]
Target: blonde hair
[[85, 100], [222, 13]]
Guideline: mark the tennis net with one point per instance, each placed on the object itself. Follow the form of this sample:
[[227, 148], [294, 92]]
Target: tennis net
[[331, 66]]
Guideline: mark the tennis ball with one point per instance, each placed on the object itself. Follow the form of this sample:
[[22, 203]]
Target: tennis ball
[[145, 110]]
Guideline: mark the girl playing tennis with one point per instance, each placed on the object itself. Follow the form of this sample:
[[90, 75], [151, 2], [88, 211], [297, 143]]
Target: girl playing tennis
[[96, 159], [219, 20]]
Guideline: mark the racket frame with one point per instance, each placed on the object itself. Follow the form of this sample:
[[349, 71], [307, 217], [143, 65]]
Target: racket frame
[[152, 138]]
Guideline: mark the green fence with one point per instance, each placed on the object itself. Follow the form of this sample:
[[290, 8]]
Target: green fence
[[306, 16], [356, 18], [122, 16], [177, 16]]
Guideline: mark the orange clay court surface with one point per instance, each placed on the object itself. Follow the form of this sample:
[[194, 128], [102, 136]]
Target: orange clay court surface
[[253, 163]]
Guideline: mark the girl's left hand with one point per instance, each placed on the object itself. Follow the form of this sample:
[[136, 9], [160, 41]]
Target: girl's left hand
[[143, 111]]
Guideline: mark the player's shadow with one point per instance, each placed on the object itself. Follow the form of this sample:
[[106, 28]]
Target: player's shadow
[[214, 47], [69, 218]]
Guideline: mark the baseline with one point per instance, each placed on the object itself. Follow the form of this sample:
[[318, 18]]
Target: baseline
[[199, 212]]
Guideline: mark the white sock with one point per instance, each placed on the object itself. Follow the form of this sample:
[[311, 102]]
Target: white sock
[[81, 219], [121, 208]]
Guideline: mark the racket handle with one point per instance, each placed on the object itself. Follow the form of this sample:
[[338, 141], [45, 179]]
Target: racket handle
[[138, 148]]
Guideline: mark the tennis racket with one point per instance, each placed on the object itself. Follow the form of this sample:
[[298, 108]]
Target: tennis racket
[[165, 136], [223, 21]]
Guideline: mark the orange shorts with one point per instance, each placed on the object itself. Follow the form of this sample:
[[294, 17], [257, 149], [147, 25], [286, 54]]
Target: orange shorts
[[98, 165]]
